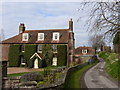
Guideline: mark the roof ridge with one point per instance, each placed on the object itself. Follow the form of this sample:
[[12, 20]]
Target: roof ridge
[[46, 30]]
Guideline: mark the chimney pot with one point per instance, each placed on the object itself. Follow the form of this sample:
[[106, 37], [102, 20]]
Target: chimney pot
[[21, 28], [71, 24]]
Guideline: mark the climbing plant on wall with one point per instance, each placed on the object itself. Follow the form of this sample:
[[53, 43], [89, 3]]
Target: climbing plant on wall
[[62, 55], [13, 57], [29, 51]]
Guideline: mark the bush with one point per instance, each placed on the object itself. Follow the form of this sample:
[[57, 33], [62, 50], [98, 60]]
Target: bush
[[116, 38], [34, 76], [103, 55], [62, 55], [40, 83]]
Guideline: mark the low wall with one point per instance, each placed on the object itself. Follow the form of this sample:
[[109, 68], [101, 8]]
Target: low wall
[[59, 83], [12, 82]]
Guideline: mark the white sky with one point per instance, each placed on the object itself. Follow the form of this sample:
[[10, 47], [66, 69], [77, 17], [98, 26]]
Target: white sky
[[43, 15]]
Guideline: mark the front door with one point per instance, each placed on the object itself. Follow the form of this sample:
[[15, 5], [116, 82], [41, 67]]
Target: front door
[[36, 63]]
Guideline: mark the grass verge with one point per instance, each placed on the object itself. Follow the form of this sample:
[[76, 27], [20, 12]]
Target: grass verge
[[73, 79], [112, 64]]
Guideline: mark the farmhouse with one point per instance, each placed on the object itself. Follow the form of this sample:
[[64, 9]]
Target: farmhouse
[[40, 48], [82, 54]]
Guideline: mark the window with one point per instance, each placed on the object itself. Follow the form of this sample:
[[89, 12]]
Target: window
[[54, 47], [56, 36], [84, 51], [22, 60], [22, 48], [39, 48], [54, 63], [25, 37], [40, 36]]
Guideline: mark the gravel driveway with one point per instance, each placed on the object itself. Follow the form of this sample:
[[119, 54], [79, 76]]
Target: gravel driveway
[[11, 70]]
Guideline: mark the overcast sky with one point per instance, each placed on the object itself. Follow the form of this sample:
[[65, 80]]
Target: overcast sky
[[48, 15], [44, 15]]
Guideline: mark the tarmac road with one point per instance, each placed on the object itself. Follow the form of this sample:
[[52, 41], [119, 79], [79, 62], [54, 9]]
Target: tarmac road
[[96, 77]]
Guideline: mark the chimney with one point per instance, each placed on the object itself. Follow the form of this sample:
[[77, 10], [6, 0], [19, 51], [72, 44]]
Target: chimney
[[21, 28], [71, 24]]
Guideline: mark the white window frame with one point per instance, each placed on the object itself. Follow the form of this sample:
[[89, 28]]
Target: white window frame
[[22, 59], [84, 51], [25, 35], [38, 48], [54, 63], [39, 35], [58, 35]]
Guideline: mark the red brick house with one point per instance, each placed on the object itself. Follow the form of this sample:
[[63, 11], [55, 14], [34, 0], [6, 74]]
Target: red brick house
[[83, 52], [27, 47]]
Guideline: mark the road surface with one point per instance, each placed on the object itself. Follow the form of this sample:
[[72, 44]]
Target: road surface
[[96, 77]]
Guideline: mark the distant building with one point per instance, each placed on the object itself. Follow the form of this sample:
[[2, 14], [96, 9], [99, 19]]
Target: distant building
[[38, 48], [82, 53]]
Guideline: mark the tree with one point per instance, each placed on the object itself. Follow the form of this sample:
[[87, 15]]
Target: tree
[[104, 17], [97, 41]]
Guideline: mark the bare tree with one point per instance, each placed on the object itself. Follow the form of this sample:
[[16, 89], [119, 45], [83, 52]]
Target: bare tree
[[103, 17], [97, 42]]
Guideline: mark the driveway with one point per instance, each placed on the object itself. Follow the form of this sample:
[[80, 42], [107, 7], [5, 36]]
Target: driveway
[[96, 77], [11, 70]]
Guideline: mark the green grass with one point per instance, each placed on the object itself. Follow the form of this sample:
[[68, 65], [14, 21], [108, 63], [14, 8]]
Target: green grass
[[112, 64], [73, 80], [20, 74]]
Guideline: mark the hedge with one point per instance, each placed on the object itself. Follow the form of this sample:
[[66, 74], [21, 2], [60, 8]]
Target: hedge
[[62, 55]]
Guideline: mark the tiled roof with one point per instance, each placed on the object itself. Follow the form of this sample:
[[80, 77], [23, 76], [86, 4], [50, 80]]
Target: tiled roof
[[78, 51], [64, 35]]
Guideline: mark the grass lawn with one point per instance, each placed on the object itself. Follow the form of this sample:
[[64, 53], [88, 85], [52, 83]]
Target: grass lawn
[[73, 80], [20, 74]]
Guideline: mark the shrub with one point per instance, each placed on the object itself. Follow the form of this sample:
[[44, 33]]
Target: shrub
[[40, 83], [116, 38], [103, 55], [34, 76]]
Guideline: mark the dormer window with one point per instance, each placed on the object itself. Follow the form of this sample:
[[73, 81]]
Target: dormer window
[[40, 36], [56, 36], [84, 51], [25, 37]]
